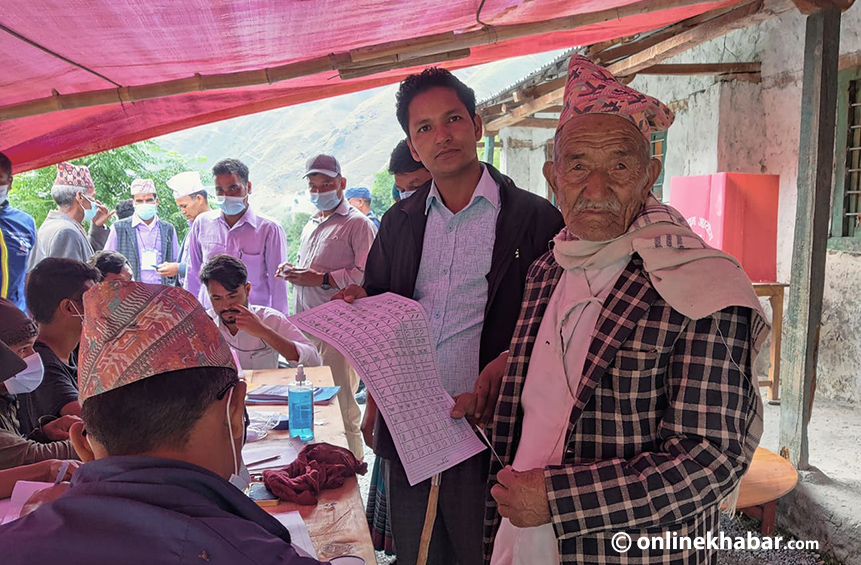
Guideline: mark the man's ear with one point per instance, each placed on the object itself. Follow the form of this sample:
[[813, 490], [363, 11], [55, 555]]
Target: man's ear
[[237, 410], [247, 290], [653, 171], [413, 151], [343, 183], [248, 187], [549, 171], [80, 442], [478, 124]]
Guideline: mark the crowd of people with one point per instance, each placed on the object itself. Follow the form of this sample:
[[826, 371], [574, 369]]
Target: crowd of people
[[617, 396]]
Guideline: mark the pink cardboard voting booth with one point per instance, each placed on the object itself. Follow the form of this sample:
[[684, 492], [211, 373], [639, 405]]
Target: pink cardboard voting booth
[[736, 213]]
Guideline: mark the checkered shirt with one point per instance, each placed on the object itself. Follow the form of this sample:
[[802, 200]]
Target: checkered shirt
[[660, 429]]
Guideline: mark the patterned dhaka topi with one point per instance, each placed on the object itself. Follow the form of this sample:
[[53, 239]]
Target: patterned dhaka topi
[[134, 330], [592, 89], [77, 176]]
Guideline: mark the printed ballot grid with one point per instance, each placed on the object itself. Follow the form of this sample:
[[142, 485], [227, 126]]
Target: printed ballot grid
[[387, 339]]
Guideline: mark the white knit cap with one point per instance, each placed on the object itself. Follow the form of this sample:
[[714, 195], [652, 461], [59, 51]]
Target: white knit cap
[[185, 184]]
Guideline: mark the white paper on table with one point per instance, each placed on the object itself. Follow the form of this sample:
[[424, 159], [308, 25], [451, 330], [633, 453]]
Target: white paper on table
[[20, 495], [387, 339], [286, 448], [299, 534]]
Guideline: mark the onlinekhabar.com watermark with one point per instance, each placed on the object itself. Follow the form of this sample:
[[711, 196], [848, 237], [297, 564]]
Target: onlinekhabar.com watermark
[[622, 542]]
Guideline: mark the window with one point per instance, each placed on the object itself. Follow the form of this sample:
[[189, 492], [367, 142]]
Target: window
[[548, 156], [659, 151], [846, 204]]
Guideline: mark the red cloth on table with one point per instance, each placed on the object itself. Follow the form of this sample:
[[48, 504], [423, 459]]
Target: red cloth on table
[[319, 466]]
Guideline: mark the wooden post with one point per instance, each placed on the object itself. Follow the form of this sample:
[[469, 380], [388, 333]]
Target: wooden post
[[813, 215], [489, 142]]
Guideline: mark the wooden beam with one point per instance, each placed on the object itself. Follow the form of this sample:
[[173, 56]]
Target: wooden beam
[[813, 216], [744, 16], [525, 110], [375, 55], [701, 69], [358, 72], [542, 123]]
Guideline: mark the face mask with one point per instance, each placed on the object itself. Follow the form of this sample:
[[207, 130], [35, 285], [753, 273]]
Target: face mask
[[145, 212], [4, 191], [29, 379], [325, 200], [231, 205], [77, 313], [240, 478], [90, 213], [407, 193]]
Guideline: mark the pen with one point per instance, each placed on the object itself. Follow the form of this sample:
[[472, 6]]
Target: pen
[[490, 445], [62, 473]]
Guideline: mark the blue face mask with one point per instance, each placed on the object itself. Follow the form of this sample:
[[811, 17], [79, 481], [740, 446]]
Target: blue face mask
[[231, 205], [145, 212], [407, 193], [325, 200], [89, 213]]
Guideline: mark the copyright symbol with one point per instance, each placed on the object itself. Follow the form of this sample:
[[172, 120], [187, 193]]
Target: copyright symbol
[[621, 542]]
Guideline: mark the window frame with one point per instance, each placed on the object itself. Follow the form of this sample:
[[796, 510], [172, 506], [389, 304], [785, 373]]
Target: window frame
[[837, 240], [658, 187]]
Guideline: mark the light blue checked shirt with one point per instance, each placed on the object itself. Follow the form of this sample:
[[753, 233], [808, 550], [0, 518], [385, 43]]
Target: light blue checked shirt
[[452, 279]]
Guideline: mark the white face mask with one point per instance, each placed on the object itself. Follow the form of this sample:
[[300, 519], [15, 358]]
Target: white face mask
[[29, 379], [407, 193], [4, 191], [240, 478]]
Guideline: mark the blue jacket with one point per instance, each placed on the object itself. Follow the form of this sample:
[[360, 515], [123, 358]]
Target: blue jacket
[[143, 510], [17, 237]]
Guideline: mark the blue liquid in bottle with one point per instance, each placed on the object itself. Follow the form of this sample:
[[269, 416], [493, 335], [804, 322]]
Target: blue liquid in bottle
[[300, 403]]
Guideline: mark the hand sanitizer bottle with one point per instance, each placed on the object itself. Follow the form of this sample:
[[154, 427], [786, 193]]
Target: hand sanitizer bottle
[[300, 402]]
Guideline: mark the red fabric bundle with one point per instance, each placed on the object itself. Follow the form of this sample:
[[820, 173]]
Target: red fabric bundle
[[319, 466]]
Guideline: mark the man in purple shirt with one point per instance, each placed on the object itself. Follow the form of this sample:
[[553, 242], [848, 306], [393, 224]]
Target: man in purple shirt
[[237, 230], [144, 239], [157, 486]]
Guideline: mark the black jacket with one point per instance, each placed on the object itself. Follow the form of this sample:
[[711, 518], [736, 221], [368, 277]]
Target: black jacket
[[524, 228]]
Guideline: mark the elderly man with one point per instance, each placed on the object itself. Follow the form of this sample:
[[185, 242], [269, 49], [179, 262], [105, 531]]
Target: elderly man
[[192, 199], [359, 198], [628, 403], [62, 233], [159, 485], [238, 230], [144, 239]]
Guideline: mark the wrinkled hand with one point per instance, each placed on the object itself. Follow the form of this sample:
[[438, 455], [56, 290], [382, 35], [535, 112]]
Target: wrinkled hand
[[44, 496], [522, 497], [250, 323], [58, 430], [283, 269], [478, 406], [102, 214], [168, 269], [350, 294], [299, 277], [50, 468]]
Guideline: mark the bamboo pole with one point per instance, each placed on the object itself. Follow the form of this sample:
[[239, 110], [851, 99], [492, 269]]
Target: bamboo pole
[[430, 518], [358, 72], [423, 48]]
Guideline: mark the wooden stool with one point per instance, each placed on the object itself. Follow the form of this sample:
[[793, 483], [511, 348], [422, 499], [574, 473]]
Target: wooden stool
[[769, 477], [774, 292]]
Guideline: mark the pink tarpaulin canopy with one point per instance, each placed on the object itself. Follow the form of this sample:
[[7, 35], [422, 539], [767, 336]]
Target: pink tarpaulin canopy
[[67, 47]]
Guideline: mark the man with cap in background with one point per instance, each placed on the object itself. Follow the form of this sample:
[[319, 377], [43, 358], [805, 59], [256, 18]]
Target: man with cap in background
[[410, 175], [144, 239], [62, 233], [332, 254], [17, 238], [21, 372], [359, 198], [629, 403], [239, 231], [192, 199], [158, 485]]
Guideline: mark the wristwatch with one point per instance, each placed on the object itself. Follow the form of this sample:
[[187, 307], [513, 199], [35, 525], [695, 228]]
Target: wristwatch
[[325, 285]]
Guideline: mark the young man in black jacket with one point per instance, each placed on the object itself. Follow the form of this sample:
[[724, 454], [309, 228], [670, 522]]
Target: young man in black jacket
[[461, 246]]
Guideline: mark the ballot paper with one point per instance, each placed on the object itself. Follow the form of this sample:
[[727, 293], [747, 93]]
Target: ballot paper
[[21, 493], [388, 341]]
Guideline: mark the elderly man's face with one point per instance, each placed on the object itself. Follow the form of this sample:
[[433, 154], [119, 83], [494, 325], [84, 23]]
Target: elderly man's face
[[601, 176]]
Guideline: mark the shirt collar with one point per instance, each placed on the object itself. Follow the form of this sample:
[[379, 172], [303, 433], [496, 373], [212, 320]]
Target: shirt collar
[[249, 217], [486, 188], [138, 222], [343, 208]]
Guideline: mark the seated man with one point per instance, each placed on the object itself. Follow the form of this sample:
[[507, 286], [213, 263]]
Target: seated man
[[257, 334], [21, 372], [54, 295], [629, 403], [162, 433], [113, 266]]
